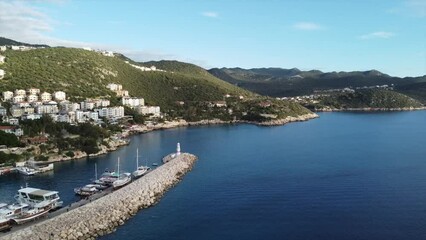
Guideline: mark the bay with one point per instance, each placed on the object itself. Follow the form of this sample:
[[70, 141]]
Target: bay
[[342, 176]]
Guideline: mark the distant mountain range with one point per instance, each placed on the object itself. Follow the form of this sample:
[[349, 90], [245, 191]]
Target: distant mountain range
[[7, 41], [279, 82]]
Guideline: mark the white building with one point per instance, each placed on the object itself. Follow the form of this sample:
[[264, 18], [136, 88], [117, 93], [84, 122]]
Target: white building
[[3, 111], [16, 111], [33, 91], [132, 101], [32, 98], [87, 105], [31, 117], [18, 99], [48, 108], [108, 53], [63, 118], [2, 48], [111, 112], [68, 106], [147, 110], [8, 95], [22, 104], [46, 97], [59, 96], [2, 58], [20, 92], [2, 73], [114, 87], [101, 102]]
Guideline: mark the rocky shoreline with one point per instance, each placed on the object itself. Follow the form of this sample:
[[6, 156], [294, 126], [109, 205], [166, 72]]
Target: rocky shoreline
[[104, 215]]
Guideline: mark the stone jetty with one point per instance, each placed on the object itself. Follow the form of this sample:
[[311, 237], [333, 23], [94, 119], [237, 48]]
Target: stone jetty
[[104, 215]]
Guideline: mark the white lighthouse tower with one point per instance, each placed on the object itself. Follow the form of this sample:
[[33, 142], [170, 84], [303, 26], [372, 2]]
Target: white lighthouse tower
[[178, 149]]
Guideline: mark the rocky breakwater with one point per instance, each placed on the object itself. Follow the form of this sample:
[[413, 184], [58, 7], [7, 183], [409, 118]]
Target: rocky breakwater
[[104, 215]]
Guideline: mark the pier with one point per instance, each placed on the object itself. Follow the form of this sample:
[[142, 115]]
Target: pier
[[100, 215]]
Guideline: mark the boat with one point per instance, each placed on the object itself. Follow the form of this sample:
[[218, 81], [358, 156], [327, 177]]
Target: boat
[[38, 198], [123, 179], [5, 224], [29, 214], [40, 168], [26, 171], [155, 164], [87, 190], [5, 217], [140, 170], [100, 185], [107, 178]]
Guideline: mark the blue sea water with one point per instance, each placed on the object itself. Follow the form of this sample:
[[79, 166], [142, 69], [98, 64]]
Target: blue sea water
[[342, 176]]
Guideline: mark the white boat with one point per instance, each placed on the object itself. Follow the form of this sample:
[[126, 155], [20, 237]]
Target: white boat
[[38, 198], [140, 170], [40, 168], [29, 214], [5, 224], [87, 190], [26, 171], [123, 179], [8, 212], [107, 178]]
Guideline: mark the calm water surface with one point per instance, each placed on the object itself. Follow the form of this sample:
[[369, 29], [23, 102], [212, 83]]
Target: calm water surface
[[343, 176]]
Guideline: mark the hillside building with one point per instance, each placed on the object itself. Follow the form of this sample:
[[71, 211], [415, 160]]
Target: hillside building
[[8, 95], [59, 96], [46, 97]]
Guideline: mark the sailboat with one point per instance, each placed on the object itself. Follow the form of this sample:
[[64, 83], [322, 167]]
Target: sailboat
[[140, 170], [100, 185], [123, 179]]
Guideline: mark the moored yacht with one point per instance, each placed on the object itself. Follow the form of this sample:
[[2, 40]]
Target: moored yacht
[[29, 214], [87, 190], [38, 198], [26, 171], [140, 170], [123, 179]]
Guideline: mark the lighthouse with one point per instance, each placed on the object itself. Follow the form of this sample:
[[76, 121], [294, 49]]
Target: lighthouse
[[178, 149]]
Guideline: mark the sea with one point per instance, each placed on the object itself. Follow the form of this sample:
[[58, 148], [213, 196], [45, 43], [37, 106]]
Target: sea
[[344, 176]]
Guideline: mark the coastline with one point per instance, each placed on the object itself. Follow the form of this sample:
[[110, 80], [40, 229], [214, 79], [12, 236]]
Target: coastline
[[141, 129], [369, 109]]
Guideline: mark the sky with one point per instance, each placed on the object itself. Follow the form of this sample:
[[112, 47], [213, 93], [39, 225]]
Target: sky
[[328, 35]]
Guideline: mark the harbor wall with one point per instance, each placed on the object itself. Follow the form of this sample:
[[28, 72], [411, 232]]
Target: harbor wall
[[104, 215]]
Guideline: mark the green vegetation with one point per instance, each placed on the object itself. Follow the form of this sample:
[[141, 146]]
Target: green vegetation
[[414, 90], [9, 159], [367, 99], [85, 137], [278, 82], [82, 73], [9, 139]]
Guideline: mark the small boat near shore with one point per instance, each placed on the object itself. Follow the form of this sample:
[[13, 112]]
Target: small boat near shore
[[26, 171]]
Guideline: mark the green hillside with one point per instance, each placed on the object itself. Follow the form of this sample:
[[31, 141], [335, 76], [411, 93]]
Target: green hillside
[[278, 82], [368, 99], [82, 73], [415, 90]]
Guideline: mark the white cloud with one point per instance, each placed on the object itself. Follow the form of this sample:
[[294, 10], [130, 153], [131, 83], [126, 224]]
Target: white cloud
[[379, 34], [307, 26], [210, 14], [21, 21]]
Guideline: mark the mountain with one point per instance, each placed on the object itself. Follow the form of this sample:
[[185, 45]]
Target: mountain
[[7, 41], [278, 82], [82, 73], [414, 90], [369, 98]]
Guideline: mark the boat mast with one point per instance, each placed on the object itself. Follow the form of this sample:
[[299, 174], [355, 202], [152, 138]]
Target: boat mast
[[118, 166], [96, 172], [137, 158]]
